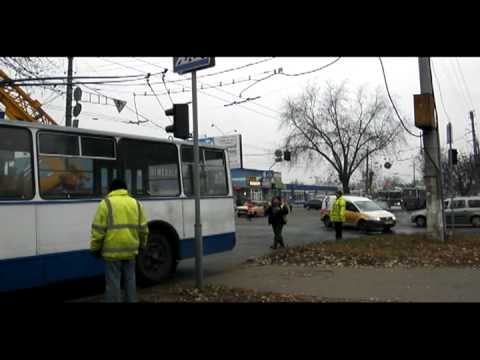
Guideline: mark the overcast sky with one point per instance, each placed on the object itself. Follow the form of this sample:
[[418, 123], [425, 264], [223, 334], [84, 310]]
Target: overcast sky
[[258, 121]]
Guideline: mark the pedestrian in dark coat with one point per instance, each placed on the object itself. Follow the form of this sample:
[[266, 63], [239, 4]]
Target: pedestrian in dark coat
[[277, 217]]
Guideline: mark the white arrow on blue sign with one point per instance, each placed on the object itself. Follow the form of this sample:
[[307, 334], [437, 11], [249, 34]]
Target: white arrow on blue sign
[[182, 65]]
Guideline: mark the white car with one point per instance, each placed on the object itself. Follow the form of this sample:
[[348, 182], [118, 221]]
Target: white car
[[361, 213], [466, 210]]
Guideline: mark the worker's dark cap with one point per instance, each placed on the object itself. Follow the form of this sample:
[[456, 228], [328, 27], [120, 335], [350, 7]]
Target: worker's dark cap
[[118, 184]]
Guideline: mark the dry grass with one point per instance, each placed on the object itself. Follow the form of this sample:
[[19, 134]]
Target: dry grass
[[222, 294], [382, 251]]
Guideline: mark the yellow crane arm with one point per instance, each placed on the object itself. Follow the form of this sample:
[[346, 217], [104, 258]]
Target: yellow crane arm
[[60, 175], [20, 106]]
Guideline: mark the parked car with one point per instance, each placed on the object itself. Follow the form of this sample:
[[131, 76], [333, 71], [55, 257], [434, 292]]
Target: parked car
[[259, 208], [360, 212], [466, 211], [313, 204]]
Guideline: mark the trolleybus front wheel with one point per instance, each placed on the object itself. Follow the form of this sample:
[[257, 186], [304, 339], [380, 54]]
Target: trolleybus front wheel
[[156, 263]]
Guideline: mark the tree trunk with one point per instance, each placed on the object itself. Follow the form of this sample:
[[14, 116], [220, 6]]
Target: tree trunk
[[346, 186]]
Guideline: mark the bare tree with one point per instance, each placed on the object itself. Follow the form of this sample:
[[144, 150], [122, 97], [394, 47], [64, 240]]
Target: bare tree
[[462, 177], [342, 129], [27, 67], [33, 67]]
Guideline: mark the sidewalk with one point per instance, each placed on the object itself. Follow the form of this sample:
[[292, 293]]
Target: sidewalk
[[376, 284], [342, 283]]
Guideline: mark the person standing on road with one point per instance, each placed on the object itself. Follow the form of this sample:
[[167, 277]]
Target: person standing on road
[[277, 217], [118, 230], [337, 214]]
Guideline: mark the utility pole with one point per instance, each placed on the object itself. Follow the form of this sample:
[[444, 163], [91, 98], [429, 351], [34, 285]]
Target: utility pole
[[450, 167], [431, 145], [68, 111], [366, 176], [476, 151], [474, 135]]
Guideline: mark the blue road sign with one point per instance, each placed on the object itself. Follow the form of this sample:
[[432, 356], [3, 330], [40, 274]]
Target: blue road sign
[[182, 65], [207, 141]]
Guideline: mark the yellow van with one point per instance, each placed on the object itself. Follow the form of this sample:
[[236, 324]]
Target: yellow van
[[361, 213]]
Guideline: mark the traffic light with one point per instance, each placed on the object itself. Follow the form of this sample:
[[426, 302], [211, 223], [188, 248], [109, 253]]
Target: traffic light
[[286, 155], [180, 127], [453, 154]]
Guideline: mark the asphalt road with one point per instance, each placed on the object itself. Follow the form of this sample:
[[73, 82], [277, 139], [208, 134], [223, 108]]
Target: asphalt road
[[254, 239], [304, 226]]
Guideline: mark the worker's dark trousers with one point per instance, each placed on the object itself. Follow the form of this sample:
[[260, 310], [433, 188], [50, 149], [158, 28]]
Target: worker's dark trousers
[[277, 231], [113, 275], [338, 230]]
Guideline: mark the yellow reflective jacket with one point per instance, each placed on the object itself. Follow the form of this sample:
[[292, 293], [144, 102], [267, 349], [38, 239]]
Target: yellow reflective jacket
[[337, 214], [119, 227]]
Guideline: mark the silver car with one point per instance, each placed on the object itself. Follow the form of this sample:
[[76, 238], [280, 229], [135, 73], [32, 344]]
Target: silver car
[[466, 211]]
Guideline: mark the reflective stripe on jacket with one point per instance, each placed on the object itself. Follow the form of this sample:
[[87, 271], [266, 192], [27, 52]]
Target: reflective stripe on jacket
[[337, 214], [119, 227]]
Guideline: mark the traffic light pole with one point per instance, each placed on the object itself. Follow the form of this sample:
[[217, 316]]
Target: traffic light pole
[[196, 188]]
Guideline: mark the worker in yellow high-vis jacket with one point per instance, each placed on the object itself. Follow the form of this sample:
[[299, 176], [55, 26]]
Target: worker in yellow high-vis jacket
[[118, 230], [337, 214]]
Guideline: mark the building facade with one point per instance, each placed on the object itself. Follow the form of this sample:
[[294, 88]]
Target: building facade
[[255, 184], [262, 185]]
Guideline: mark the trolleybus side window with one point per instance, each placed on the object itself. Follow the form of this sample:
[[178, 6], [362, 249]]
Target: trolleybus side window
[[140, 185], [104, 180], [151, 167], [59, 144], [187, 170], [128, 179], [68, 170], [16, 179], [98, 147], [213, 172]]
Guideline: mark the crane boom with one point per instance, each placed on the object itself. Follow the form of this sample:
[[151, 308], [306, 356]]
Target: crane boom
[[20, 106]]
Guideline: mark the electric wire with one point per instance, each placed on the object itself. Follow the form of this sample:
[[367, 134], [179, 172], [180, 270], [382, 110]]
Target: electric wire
[[391, 101], [280, 72]]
